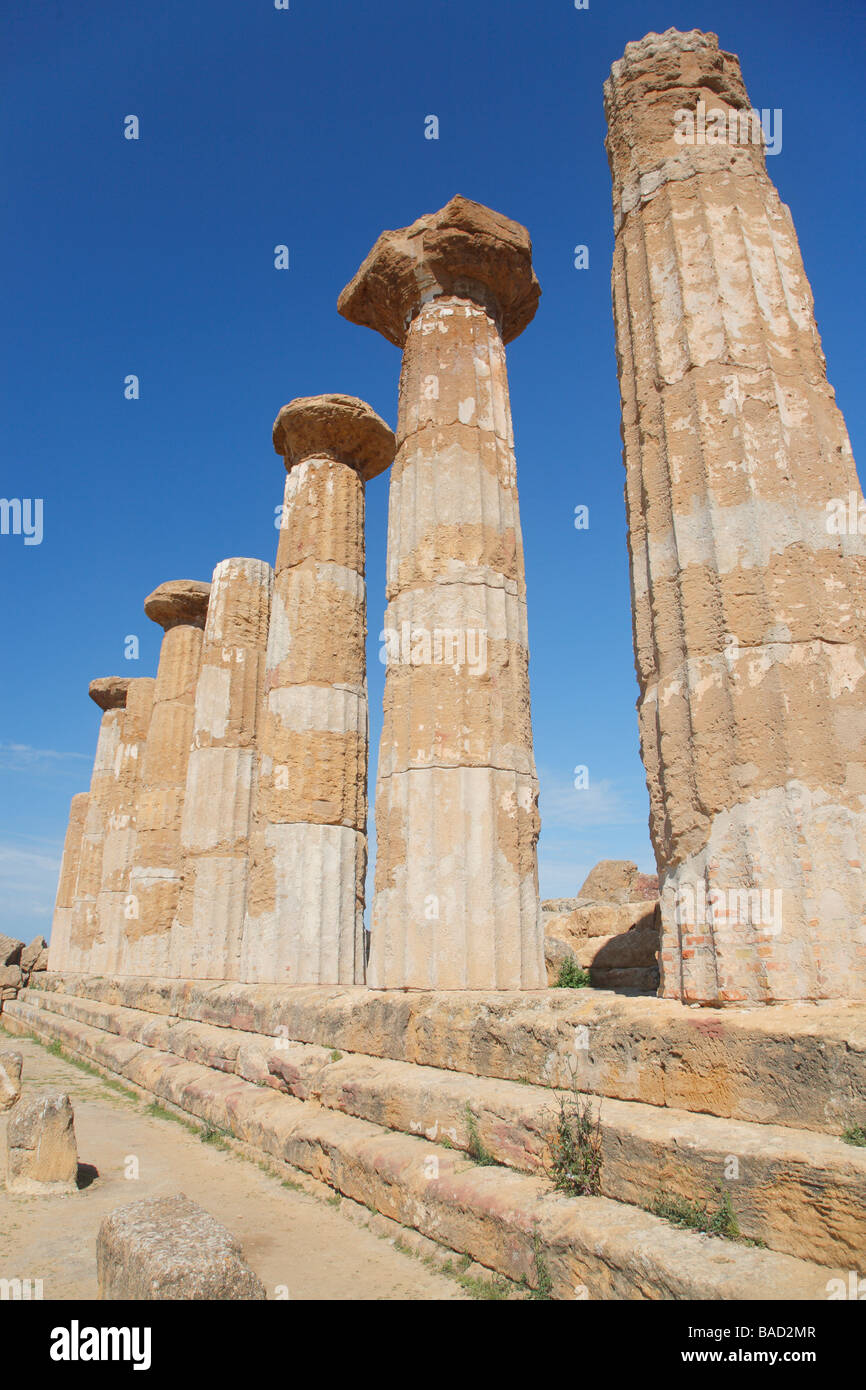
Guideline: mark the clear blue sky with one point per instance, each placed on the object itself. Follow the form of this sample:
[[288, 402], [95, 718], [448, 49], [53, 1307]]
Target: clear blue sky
[[155, 257]]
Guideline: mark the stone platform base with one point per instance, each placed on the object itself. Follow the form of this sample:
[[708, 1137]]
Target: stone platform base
[[391, 1097]]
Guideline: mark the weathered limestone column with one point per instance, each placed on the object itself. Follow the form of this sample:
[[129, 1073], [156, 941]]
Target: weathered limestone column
[[114, 906], [109, 693], [180, 607], [61, 923], [749, 609], [456, 903], [305, 916], [221, 774]]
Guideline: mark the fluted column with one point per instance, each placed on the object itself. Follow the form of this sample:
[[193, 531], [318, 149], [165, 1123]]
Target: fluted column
[[221, 774], [109, 693], [306, 897], [61, 923], [749, 608], [114, 906], [456, 901], [180, 608]]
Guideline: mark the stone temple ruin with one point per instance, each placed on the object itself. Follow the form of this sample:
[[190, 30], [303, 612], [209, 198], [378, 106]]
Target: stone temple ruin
[[208, 938]]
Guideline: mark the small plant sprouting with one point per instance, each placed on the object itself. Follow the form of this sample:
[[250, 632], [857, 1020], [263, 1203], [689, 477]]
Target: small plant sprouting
[[475, 1147], [573, 1163], [720, 1220], [856, 1135], [336, 1056], [543, 1286], [572, 976]]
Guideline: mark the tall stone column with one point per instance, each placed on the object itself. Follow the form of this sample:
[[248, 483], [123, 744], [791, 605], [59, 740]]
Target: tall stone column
[[109, 693], [749, 607], [114, 906], [221, 774], [180, 608], [305, 922], [456, 902], [61, 923]]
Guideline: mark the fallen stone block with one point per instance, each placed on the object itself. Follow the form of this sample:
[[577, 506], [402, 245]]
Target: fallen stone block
[[601, 919], [10, 1078], [31, 953], [166, 1248], [10, 950], [611, 881], [42, 1156], [11, 977]]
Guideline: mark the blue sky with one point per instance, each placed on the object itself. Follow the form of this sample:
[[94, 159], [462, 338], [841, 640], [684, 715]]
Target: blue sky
[[155, 257]]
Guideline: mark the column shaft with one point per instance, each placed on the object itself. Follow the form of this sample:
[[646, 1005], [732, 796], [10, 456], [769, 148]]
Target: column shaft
[[221, 774], [58, 946], [748, 608]]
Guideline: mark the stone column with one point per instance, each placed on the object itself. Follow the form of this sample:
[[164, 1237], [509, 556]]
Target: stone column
[[221, 775], [456, 902], [305, 920], [61, 924], [109, 693], [115, 907], [180, 608], [749, 606]]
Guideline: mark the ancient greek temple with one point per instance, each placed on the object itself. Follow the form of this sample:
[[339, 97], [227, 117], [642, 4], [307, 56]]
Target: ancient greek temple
[[209, 943], [224, 834]]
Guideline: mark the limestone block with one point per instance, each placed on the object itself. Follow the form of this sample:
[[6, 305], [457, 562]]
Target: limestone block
[[10, 950], [11, 1064], [171, 1248], [42, 1156], [611, 881], [31, 953]]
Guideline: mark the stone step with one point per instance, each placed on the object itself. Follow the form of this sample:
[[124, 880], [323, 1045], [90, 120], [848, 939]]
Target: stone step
[[798, 1192], [802, 1066], [509, 1222]]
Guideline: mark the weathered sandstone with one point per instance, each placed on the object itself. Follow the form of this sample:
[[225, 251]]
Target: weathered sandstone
[[304, 918], [42, 1157], [11, 1064], [749, 605], [61, 922], [171, 1248], [456, 898]]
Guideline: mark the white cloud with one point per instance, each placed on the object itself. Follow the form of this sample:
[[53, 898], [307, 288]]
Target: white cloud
[[29, 870], [20, 757]]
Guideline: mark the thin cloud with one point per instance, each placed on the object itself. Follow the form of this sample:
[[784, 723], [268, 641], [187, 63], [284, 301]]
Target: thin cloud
[[20, 757], [28, 886]]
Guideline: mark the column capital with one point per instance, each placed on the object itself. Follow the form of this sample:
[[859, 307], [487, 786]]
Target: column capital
[[109, 692], [339, 427], [464, 249], [179, 601]]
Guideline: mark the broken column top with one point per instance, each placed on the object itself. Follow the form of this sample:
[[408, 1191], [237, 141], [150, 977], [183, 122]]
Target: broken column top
[[656, 77], [179, 601], [339, 427], [110, 692], [464, 249]]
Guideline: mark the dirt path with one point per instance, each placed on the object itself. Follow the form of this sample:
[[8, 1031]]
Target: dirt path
[[290, 1238]]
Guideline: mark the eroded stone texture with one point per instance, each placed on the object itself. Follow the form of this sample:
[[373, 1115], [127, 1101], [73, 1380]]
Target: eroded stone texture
[[171, 1248], [11, 1064], [42, 1156], [61, 922], [304, 921], [748, 605], [456, 902], [180, 607], [109, 693], [115, 905], [221, 774]]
